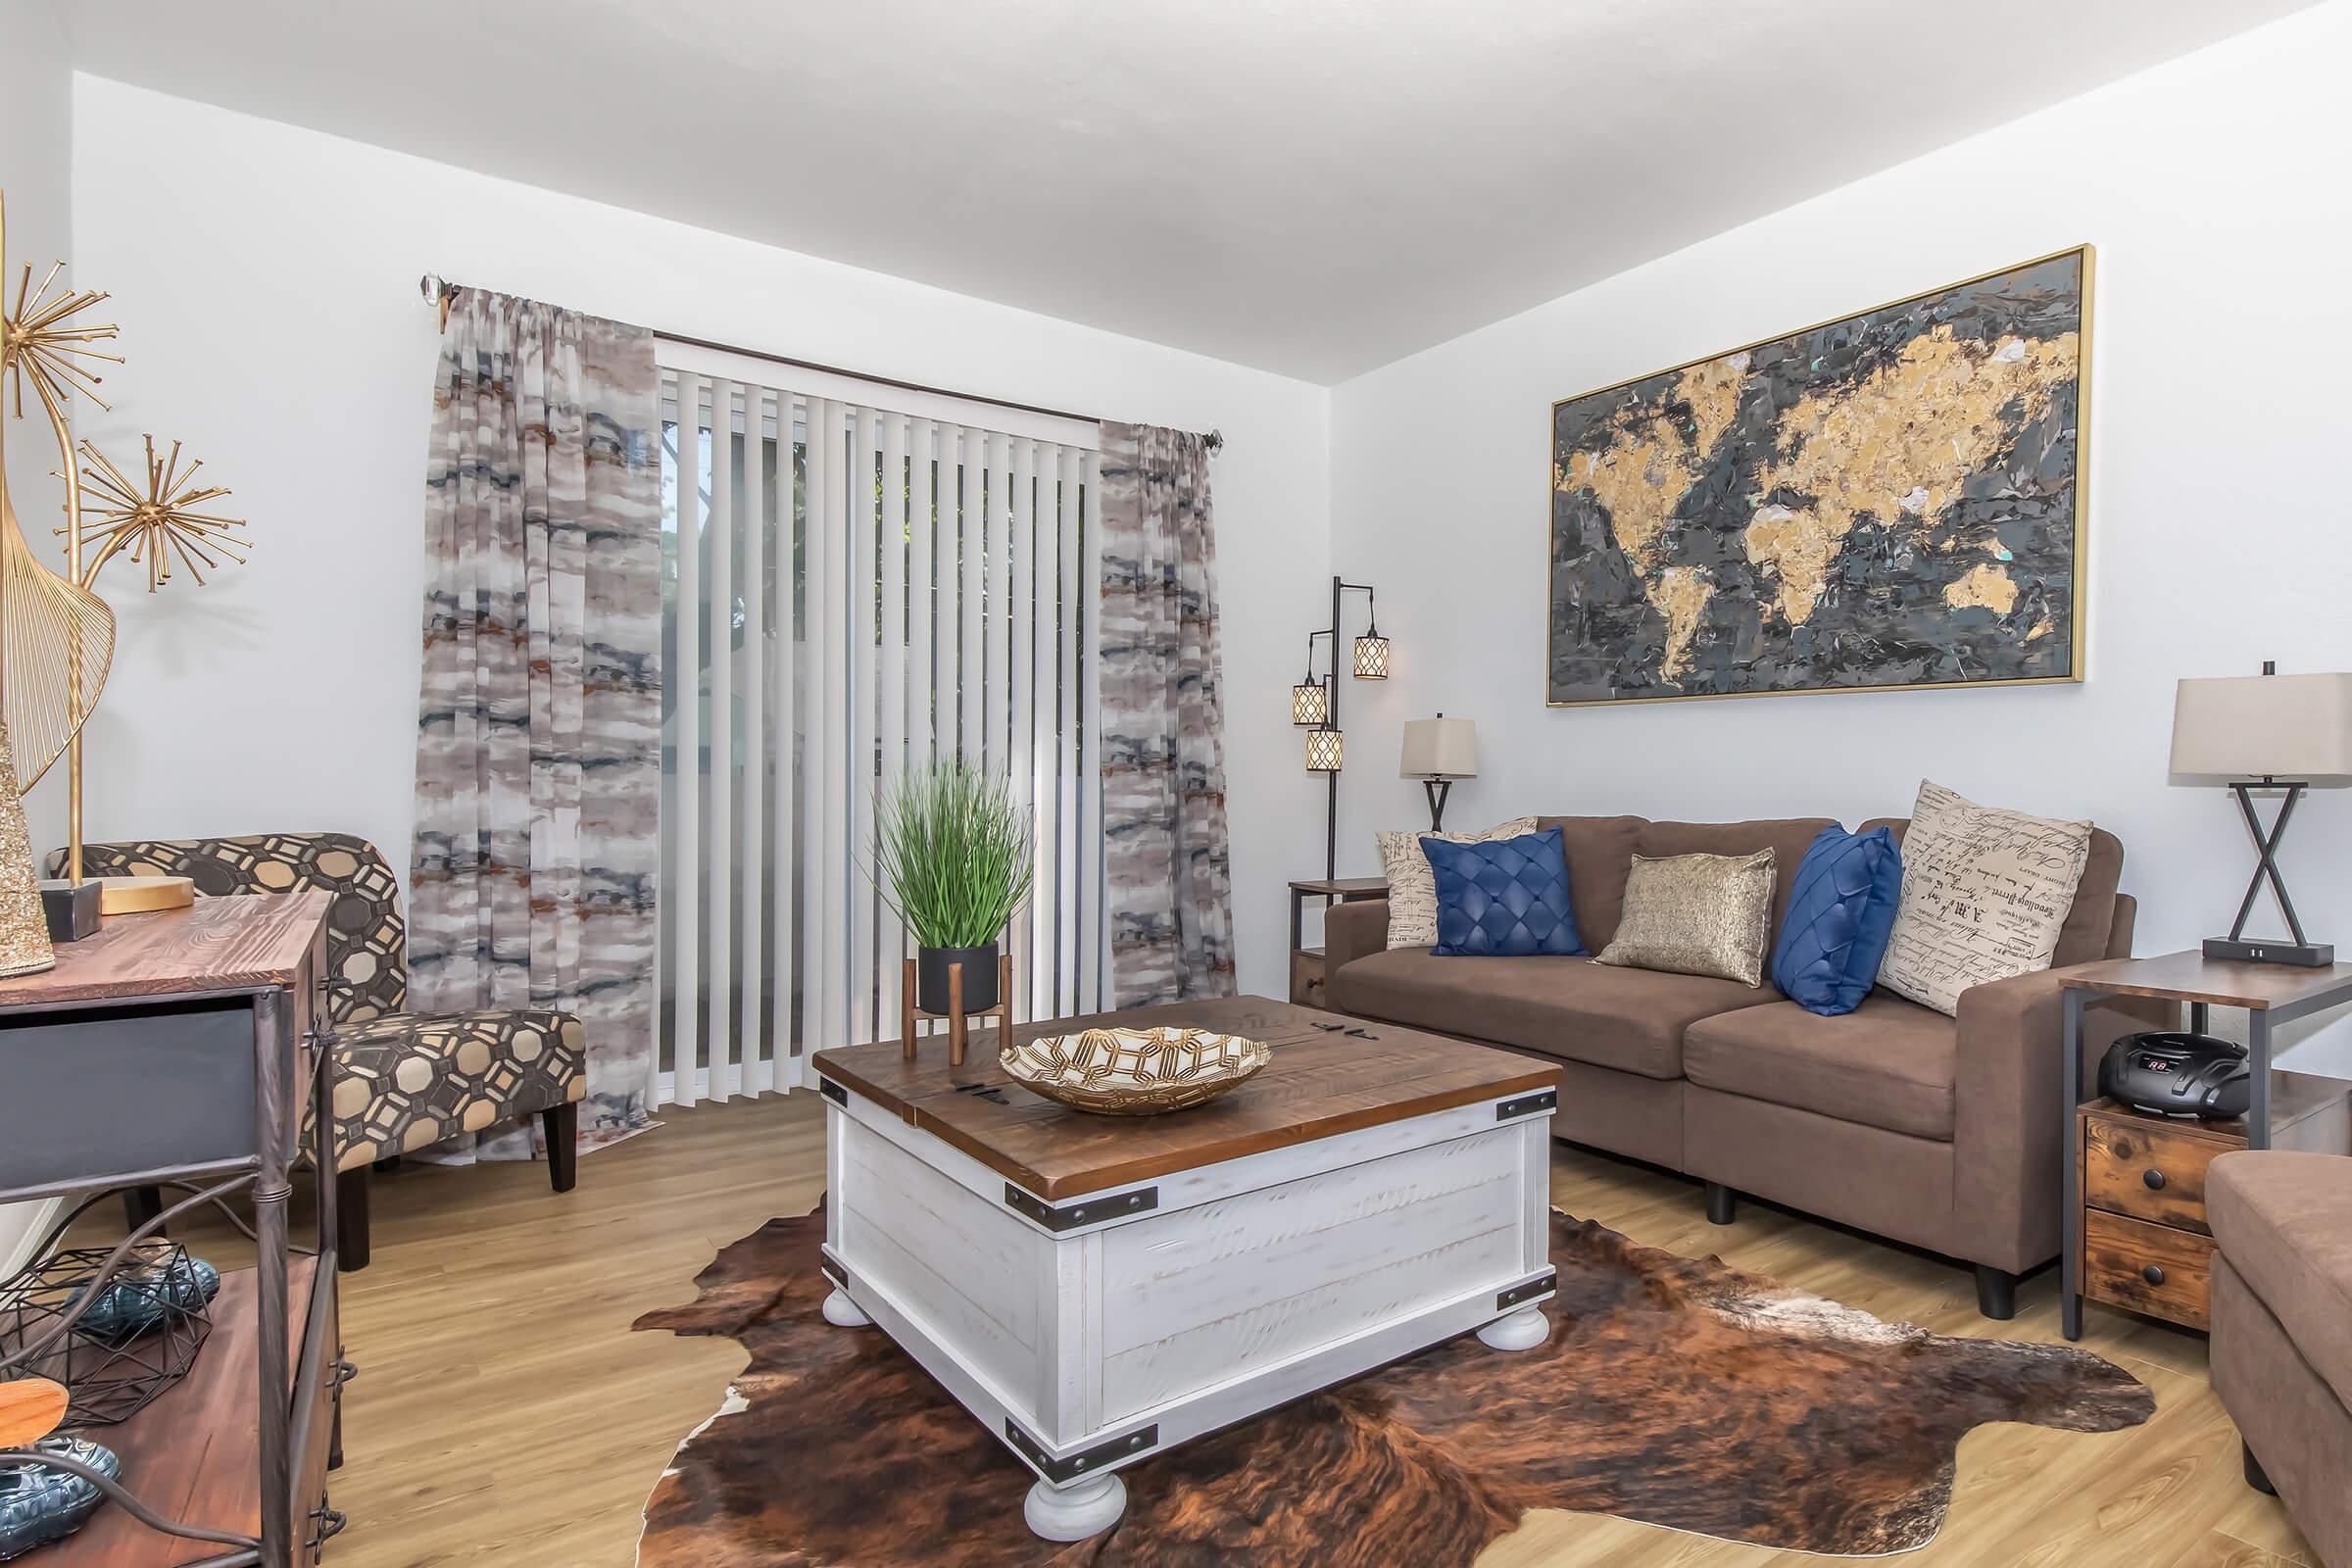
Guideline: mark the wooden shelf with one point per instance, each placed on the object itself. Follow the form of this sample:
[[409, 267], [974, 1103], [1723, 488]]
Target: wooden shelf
[[194, 1456]]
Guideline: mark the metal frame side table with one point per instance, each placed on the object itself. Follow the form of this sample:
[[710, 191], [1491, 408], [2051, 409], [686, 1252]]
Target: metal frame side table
[[2270, 993], [177, 1049]]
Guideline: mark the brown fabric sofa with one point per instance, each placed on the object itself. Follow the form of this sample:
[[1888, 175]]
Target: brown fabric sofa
[[1940, 1132], [2283, 1330]]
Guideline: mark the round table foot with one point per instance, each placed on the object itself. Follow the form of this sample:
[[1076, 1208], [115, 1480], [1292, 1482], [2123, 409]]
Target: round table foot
[[1076, 1511], [1523, 1330], [842, 1312]]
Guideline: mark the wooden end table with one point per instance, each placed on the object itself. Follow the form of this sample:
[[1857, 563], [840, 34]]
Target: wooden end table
[[1308, 976], [2149, 1250], [1099, 1289]]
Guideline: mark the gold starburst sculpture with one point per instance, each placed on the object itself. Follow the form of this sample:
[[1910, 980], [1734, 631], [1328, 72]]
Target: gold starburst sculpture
[[152, 525], [56, 637]]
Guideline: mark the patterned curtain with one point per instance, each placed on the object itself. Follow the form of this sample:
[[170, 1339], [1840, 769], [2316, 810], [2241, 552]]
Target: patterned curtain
[[1165, 853], [538, 743]]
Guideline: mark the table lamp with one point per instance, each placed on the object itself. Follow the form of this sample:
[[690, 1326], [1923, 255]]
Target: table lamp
[[2274, 733], [1437, 752]]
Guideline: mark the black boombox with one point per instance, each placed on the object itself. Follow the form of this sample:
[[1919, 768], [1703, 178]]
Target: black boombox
[[2173, 1073]]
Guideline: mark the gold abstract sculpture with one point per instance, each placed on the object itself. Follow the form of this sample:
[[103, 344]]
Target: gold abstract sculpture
[[24, 927], [57, 636]]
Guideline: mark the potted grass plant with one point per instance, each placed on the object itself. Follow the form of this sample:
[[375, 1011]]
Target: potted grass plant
[[952, 858]]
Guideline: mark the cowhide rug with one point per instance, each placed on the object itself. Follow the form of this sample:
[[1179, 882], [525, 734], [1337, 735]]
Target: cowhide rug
[[1677, 1391]]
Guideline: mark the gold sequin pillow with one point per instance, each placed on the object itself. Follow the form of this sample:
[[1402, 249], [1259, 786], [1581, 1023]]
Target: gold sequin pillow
[[1707, 914]]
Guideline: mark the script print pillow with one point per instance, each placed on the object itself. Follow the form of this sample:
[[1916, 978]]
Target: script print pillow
[[1984, 894], [1413, 886]]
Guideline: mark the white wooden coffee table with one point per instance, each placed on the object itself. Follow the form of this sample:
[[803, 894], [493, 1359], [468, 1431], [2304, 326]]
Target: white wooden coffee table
[[1097, 1288]]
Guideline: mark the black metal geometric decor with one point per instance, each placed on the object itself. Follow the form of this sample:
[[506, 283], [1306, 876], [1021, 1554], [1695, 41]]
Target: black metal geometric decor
[[137, 1336]]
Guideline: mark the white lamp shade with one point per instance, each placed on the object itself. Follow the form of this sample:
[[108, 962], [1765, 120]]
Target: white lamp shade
[[1439, 748], [2296, 728]]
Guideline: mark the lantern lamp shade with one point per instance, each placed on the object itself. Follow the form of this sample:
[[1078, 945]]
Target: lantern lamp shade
[[1309, 703], [1439, 748], [1372, 657], [2295, 728], [1323, 751]]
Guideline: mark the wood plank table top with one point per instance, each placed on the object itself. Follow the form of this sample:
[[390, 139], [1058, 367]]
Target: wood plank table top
[[2220, 981], [249, 942], [1329, 1075]]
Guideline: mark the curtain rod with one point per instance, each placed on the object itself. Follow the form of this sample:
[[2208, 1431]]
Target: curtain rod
[[440, 291]]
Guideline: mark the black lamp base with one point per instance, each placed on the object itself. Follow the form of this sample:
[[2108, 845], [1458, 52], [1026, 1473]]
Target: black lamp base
[[2303, 955]]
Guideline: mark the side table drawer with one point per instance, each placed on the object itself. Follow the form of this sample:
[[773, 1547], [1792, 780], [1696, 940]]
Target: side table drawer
[[1307, 986], [2147, 1170], [2148, 1269], [130, 1089]]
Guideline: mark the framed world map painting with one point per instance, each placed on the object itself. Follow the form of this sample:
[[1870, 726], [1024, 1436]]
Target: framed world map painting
[[1891, 500]]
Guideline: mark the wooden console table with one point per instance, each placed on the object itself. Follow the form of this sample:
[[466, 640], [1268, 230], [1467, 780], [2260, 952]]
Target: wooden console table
[[174, 1050], [2134, 1185]]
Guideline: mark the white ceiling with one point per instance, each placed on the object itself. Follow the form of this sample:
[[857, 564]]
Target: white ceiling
[[1313, 186]]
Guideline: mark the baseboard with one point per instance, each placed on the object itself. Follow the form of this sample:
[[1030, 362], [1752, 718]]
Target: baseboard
[[21, 1227]]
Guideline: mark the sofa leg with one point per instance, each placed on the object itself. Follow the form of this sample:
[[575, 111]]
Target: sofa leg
[[2257, 1477], [351, 1219], [1997, 1293], [563, 1124], [1723, 1204], [141, 1204]]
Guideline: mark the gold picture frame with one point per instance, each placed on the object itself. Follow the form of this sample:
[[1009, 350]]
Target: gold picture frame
[[2086, 257]]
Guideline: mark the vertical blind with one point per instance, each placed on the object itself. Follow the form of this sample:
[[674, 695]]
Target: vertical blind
[[851, 591]]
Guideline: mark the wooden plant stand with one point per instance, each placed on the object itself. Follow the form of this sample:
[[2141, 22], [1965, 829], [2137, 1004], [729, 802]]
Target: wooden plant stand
[[958, 1023]]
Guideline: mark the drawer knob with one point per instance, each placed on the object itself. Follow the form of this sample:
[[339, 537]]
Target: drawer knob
[[2154, 1180], [2153, 1274]]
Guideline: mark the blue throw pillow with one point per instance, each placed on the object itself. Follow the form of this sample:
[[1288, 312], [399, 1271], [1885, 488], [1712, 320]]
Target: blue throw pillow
[[1503, 898], [1840, 913]]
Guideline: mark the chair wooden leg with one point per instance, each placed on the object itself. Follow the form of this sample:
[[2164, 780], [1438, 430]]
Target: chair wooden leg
[[141, 1204], [563, 1124], [351, 1219]]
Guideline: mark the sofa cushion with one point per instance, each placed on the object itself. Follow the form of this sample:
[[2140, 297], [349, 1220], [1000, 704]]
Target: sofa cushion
[[1841, 912], [1507, 899], [1573, 1009], [1413, 887], [2285, 1222], [1599, 852], [1786, 837], [1888, 1063], [2089, 928], [1986, 893], [1697, 914]]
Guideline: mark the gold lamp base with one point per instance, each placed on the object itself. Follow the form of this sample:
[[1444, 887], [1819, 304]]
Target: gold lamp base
[[134, 894]]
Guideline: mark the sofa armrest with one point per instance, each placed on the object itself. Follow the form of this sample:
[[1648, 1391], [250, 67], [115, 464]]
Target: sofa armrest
[[2010, 1113], [1352, 930]]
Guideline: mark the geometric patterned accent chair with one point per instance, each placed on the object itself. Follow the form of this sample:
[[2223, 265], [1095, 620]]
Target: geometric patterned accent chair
[[403, 1080]]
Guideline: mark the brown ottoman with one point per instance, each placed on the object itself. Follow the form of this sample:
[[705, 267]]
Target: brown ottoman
[[2283, 1330]]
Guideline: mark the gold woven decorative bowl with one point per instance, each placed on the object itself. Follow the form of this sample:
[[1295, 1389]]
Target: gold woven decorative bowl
[[1134, 1072]]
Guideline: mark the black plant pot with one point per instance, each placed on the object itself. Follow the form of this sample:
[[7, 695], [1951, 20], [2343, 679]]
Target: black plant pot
[[979, 977]]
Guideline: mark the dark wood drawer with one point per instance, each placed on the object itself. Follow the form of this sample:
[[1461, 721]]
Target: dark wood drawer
[[2155, 1269], [1308, 988], [2148, 1170]]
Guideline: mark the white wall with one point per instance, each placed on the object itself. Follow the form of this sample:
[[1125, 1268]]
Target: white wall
[[37, 148], [2214, 188], [266, 280]]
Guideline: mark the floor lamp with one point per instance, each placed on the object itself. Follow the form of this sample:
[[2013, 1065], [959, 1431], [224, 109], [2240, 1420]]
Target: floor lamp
[[1315, 703]]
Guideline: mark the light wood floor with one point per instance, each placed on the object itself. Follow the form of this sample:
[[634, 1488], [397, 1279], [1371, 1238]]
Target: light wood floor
[[505, 1415]]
